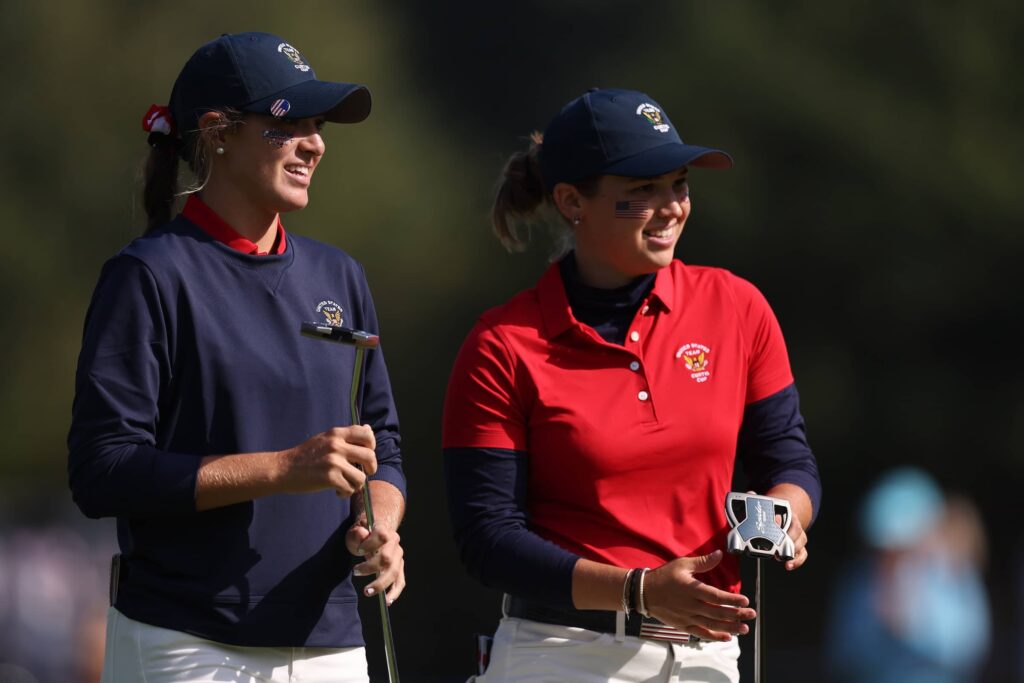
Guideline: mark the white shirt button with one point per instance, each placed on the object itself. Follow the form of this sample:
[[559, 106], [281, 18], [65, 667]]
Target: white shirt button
[[634, 335], [642, 395], [634, 366], [645, 309]]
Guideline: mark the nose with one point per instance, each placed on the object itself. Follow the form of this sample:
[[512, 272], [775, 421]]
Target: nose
[[674, 204], [310, 140], [312, 144]]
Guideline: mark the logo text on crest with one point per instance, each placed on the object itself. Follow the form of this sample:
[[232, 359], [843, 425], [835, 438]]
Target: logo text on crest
[[294, 55], [653, 116]]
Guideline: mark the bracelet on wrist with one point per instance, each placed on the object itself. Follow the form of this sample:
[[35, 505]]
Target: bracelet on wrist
[[634, 589], [641, 602], [625, 602]]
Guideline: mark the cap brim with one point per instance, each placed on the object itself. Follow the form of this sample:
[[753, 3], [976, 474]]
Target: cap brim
[[666, 158], [338, 102]]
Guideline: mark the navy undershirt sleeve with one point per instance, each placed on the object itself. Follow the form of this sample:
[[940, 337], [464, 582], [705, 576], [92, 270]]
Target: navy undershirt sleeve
[[487, 506], [773, 448]]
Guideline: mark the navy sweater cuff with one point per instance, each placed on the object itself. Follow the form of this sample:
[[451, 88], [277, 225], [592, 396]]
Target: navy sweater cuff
[[135, 480], [393, 475]]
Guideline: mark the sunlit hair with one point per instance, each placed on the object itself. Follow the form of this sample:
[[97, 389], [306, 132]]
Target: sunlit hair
[[521, 201], [160, 176]]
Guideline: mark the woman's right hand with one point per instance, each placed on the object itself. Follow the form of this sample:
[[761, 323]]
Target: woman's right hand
[[674, 595], [340, 458]]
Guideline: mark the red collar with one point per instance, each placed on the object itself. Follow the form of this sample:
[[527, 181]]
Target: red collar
[[216, 227], [554, 304]]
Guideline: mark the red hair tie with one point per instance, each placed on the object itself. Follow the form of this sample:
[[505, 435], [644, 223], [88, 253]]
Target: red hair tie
[[158, 120]]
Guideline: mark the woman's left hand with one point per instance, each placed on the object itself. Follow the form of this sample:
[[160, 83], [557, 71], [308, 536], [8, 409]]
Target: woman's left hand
[[799, 536], [382, 555], [800, 509]]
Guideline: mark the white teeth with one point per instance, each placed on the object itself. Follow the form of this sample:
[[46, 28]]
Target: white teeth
[[659, 234], [301, 170]]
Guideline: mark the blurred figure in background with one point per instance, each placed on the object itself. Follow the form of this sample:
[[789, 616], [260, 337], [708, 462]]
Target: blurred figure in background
[[53, 586], [914, 609]]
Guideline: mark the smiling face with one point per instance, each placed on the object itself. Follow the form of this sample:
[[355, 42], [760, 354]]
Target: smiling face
[[269, 162], [629, 227]]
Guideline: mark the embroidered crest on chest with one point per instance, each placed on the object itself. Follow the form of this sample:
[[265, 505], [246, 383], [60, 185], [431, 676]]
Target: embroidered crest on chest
[[697, 358], [331, 313]]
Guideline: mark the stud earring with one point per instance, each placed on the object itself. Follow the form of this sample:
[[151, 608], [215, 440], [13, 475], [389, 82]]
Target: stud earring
[[220, 150], [575, 220]]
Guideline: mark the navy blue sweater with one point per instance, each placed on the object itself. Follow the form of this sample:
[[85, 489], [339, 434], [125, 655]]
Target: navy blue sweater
[[192, 349]]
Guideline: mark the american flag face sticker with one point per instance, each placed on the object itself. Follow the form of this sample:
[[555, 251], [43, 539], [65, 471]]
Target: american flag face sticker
[[631, 209], [277, 138], [280, 107]]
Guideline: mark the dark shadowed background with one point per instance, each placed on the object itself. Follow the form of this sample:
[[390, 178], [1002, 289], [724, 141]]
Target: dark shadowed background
[[875, 200]]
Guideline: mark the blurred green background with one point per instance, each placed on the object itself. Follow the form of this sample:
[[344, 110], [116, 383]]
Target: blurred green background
[[875, 200]]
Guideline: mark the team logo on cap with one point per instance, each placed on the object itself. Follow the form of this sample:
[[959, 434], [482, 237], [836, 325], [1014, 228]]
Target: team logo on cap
[[653, 116], [280, 107], [294, 55], [331, 313], [696, 357]]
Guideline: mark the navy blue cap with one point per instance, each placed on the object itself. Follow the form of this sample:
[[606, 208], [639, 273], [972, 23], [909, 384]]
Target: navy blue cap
[[264, 74], [617, 132]]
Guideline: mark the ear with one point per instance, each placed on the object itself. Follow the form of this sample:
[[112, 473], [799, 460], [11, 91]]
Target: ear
[[213, 128], [568, 200]]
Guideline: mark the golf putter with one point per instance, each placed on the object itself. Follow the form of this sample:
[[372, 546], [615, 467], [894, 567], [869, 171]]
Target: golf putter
[[361, 341], [755, 532]]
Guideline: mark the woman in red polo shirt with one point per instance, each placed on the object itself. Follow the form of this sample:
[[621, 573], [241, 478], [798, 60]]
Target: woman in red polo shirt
[[592, 423]]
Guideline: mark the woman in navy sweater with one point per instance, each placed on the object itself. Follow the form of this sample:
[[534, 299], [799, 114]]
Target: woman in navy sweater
[[216, 434]]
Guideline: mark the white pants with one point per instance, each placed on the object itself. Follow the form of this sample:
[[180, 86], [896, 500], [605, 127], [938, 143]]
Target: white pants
[[529, 651], [140, 653]]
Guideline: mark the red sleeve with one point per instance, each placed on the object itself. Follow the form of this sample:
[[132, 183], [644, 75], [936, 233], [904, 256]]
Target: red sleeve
[[483, 407], [768, 368]]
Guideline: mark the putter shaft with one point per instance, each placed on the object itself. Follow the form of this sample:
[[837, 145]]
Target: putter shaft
[[759, 654], [385, 615]]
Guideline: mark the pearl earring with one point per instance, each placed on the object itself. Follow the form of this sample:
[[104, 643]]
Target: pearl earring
[[220, 150]]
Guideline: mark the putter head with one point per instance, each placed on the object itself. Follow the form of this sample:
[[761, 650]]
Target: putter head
[[341, 335], [754, 529]]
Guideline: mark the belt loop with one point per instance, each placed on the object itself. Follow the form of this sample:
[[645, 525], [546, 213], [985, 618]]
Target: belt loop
[[620, 626]]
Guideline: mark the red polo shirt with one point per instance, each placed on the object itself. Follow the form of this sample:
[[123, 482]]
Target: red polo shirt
[[631, 448], [198, 212]]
